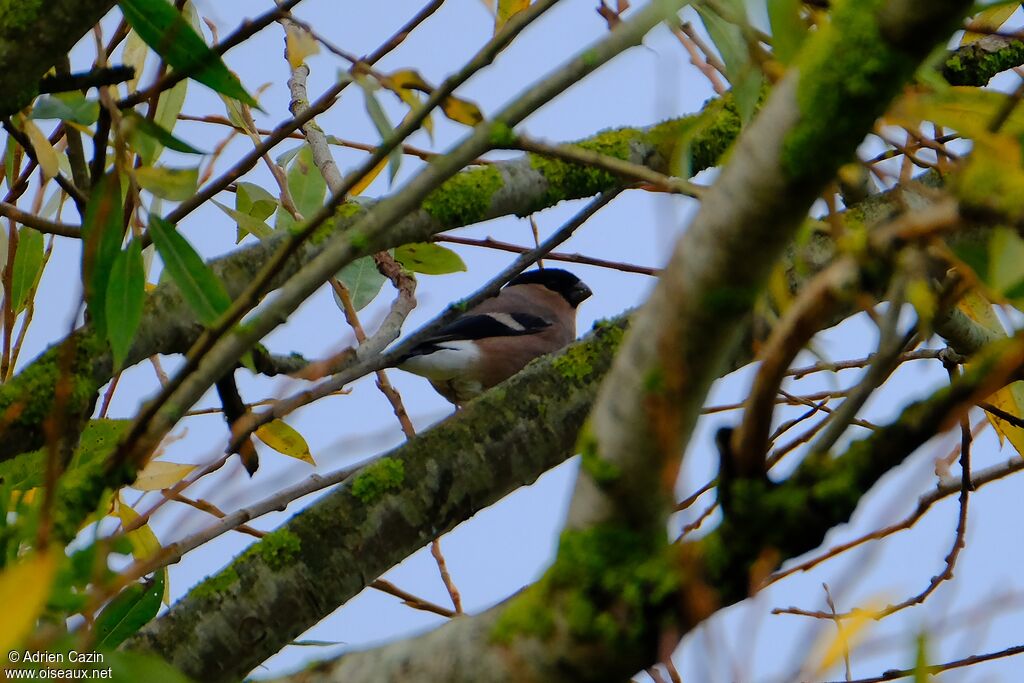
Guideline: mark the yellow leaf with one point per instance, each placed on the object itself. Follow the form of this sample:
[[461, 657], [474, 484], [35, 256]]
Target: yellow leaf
[[285, 440], [160, 475], [24, 589], [849, 631], [403, 83], [966, 109], [993, 177], [508, 9], [778, 288], [143, 541], [406, 79], [44, 151], [988, 21], [1006, 260], [300, 44], [365, 181], [26, 497], [462, 111], [135, 53], [1009, 398], [921, 296], [979, 309]]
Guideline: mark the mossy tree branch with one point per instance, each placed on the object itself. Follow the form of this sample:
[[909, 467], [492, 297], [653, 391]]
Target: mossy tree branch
[[35, 35], [420, 491], [778, 521]]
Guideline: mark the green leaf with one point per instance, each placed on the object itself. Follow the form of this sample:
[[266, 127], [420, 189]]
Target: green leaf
[[429, 258], [83, 567], [744, 74], [132, 609], [306, 186], [255, 203], [71, 106], [1005, 274], [383, 125], [200, 287], [246, 224], [285, 158], [175, 184], [363, 281], [28, 263], [252, 199], [99, 438], [168, 107], [125, 296], [171, 37], [975, 254], [145, 134], [102, 233], [788, 29]]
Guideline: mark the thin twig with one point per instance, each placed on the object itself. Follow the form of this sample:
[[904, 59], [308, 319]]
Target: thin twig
[[446, 577], [839, 628], [210, 508], [489, 243], [830, 366], [614, 165], [411, 600], [38, 223], [933, 669]]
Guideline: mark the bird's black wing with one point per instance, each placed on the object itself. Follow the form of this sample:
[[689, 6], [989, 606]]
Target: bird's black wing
[[482, 326]]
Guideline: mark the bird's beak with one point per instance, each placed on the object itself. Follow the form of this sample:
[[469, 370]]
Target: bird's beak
[[580, 293]]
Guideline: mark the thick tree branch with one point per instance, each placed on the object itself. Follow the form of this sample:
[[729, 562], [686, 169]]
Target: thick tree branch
[[784, 521], [420, 491], [35, 36]]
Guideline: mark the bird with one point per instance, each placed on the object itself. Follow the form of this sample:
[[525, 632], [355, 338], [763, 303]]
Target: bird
[[533, 315]]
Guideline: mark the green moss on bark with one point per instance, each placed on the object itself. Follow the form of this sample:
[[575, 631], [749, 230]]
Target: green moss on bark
[[600, 470], [30, 395], [576, 364], [847, 73], [17, 15], [215, 585], [975, 64], [569, 180], [465, 198], [383, 476], [277, 549], [607, 585]]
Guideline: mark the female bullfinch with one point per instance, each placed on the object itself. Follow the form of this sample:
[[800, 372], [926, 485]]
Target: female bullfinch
[[534, 314]]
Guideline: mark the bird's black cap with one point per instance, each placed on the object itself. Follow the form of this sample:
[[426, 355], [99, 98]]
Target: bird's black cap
[[557, 280]]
